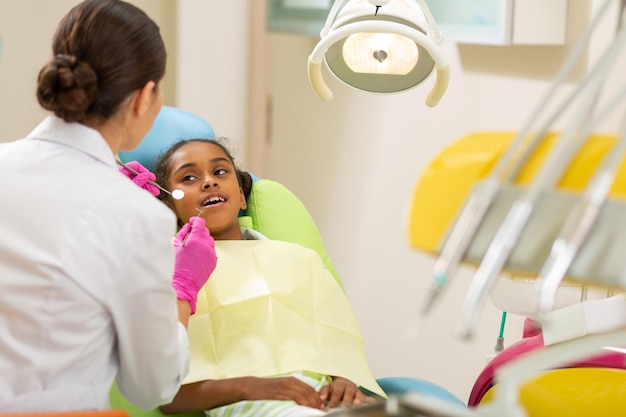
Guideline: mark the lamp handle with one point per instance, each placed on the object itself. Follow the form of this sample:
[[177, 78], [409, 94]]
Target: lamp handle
[[317, 81], [315, 59], [440, 87]]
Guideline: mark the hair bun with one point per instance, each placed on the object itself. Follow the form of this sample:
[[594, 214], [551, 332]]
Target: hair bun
[[67, 87]]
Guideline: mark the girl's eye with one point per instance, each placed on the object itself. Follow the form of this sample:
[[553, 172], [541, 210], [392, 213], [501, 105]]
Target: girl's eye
[[189, 177], [220, 171]]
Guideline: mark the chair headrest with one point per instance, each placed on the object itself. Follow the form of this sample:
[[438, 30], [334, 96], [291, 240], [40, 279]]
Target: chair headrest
[[170, 126]]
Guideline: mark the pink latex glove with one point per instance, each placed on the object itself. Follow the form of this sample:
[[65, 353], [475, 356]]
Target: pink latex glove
[[141, 179], [195, 260]]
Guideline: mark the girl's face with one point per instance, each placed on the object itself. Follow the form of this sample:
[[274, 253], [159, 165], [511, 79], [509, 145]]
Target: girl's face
[[207, 176]]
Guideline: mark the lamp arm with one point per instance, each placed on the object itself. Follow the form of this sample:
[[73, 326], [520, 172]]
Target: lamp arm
[[434, 29], [315, 59], [334, 10]]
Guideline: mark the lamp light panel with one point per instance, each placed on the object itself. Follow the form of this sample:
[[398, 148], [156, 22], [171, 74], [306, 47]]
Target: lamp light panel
[[380, 53]]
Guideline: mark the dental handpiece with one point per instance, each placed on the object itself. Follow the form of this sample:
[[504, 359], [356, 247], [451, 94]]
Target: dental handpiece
[[493, 262], [581, 219], [459, 240], [564, 249], [176, 194]]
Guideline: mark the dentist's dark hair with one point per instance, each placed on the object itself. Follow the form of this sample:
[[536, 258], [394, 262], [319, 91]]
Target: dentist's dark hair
[[102, 51]]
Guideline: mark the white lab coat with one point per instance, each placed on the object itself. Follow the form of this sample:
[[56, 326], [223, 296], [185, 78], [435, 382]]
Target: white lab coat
[[86, 262]]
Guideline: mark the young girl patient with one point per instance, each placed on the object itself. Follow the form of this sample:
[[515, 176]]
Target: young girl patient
[[273, 334]]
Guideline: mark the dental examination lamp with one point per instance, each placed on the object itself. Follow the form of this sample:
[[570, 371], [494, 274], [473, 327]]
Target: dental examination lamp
[[380, 46]]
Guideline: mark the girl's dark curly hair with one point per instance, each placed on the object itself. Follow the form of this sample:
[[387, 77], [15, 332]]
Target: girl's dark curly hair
[[164, 166]]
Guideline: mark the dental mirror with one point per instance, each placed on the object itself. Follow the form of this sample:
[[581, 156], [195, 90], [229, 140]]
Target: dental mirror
[[176, 194]]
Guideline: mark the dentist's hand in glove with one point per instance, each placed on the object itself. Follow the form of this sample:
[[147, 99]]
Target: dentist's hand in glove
[[195, 260], [142, 177]]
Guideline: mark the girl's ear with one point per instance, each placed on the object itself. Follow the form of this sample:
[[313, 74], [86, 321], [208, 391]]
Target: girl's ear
[[243, 204]]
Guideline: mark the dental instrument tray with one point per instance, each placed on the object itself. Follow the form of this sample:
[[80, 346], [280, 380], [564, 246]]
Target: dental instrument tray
[[460, 171], [601, 259]]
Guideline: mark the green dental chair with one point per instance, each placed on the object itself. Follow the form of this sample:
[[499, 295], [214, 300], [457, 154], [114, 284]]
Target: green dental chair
[[272, 210]]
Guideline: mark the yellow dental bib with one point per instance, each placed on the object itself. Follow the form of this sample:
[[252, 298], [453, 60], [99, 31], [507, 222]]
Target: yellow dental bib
[[269, 308]]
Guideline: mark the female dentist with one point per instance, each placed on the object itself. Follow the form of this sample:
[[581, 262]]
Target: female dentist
[[89, 275]]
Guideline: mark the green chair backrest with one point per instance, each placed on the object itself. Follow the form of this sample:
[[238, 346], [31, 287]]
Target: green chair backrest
[[279, 214]]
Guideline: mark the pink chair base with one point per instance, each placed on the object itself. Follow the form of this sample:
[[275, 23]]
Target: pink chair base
[[614, 360]]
